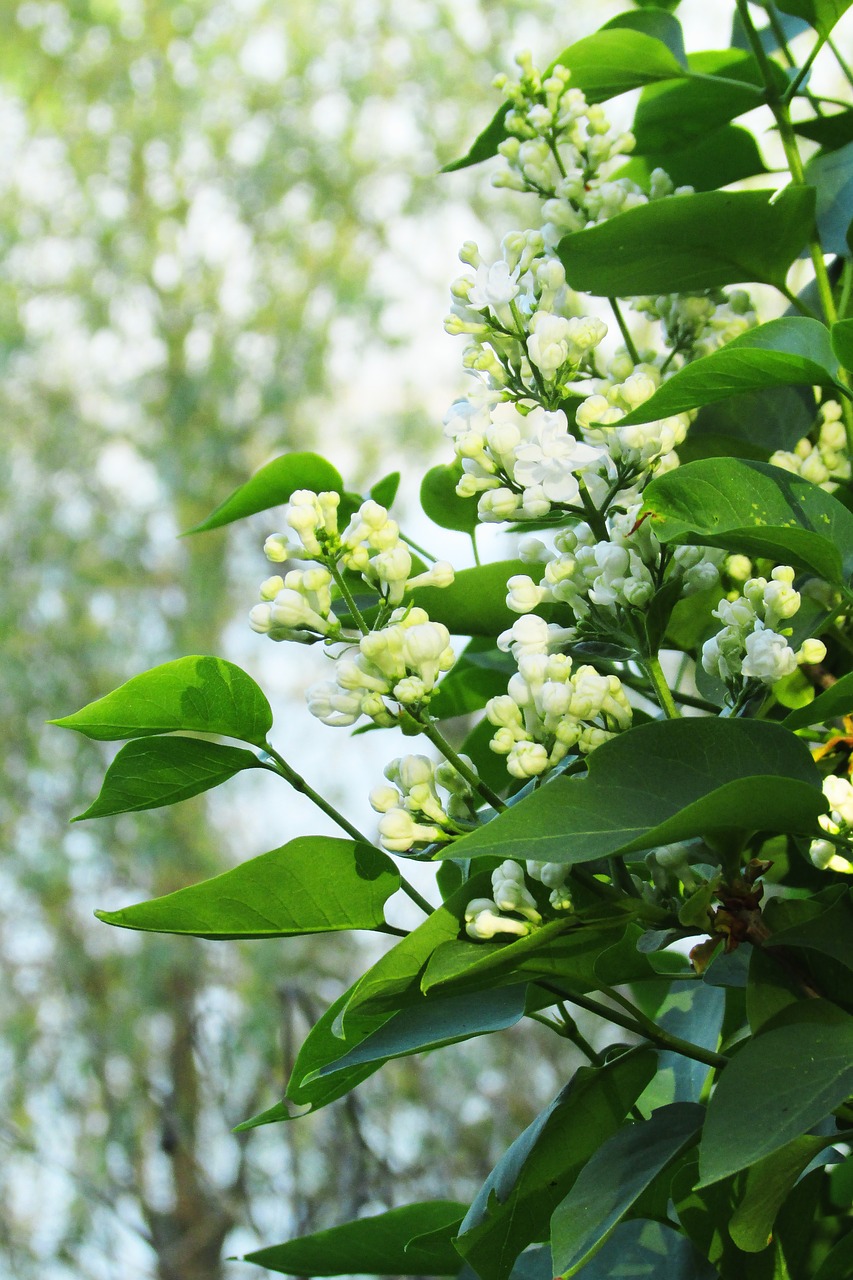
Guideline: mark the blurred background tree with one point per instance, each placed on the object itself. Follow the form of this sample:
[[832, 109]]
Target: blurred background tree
[[219, 223]]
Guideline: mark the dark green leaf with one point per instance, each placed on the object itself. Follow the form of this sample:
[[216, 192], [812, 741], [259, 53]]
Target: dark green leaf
[[788, 352], [481, 672], [842, 343], [691, 243], [475, 603], [443, 505], [646, 1249], [838, 1263], [198, 694], [715, 160], [161, 771], [272, 486], [832, 175], [828, 928], [314, 884], [673, 115], [753, 425], [820, 14], [602, 65], [834, 702], [385, 490], [615, 1178], [789, 28], [373, 1246], [658, 783], [323, 1045], [767, 1185], [780, 1084], [754, 509], [513, 1206], [829, 132], [654, 22]]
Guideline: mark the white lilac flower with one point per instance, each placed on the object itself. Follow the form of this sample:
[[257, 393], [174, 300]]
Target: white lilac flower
[[553, 459], [425, 803], [826, 462], [838, 822]]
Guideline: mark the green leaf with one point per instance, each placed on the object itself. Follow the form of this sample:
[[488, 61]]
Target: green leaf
[[373, 1246], [658, 783], [842, 343], [832, 175], [443, 505], [314, 884], [614, 1179], [475, 603], [645, 1249], [780, 1084], [513, 1206], [272, 486], [431, 1024], [385, 490], [653, 22], [161, 771], [675, 114], [829, 132], [793, 351], [718, 158], [828, 928], [480, 672], [602, 65], [767, 1185], [754, 509], [197, 694], [820, 14], [838, 1263], [834, 702], [691, 243], [752, 425]]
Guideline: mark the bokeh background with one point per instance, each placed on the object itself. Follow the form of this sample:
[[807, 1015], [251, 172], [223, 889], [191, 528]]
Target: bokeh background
[[222, 236]]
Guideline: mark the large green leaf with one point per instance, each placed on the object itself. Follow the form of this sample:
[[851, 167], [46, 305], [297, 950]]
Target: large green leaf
[[832, 175], [513, 1206], [842, 343], [766, 1187], [272, 486], [820, 14], [475, 603], [158, 771], [480, 672], [197, 694], [691, 242], [603, 65], [661, 782], [614, 1179], [755, 509], [838, 1263], [314, 884], [643, 1249], [834, 702], [653, 22], [373, 1246], [825, 925], [829, 132], [752, 425], [793, 351], [679, 112], [780, 1084], [723, 156], [442, 503]]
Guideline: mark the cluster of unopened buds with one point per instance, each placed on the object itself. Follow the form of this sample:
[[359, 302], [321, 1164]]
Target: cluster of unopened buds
[[512, 908], [414, 812], [753, 643], [698, 324], [838, 822], [825, 462]]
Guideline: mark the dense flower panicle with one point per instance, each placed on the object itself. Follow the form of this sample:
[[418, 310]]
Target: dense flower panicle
[[825, 462], [753, 642]]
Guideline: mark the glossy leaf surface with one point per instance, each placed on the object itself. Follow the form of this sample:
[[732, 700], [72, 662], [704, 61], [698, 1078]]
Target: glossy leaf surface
[[272, 485]]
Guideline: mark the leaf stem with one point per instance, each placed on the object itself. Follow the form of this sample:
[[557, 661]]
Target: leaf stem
[[797, 303], [283, 769], [624, 330], [422, 551], [411, 892], [843, 64], [654, 670], [438, 740], [348, 596]]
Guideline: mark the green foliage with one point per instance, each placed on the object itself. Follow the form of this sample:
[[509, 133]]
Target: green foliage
[[272, 486]]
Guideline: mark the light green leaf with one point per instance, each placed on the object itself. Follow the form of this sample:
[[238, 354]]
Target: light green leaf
[[820, 14], [556, 950], [513, 1206], [622, 1168], [842, 342], [160, 771], [602, 65], [475, 603], [793, 351], [653, 22], [767, 1185], [780, 1084], [197, 694], [832, 175], [373, 1246], [675, 114], [272, 486], [314, 884], [385, 490], [691, 243], [829, 132], [754, 509], [834, 702], [443, 505], [658, 783]]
